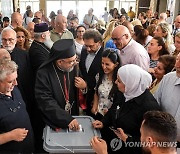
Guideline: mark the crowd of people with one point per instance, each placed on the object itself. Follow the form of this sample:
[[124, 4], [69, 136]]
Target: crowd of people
[[124, 72]]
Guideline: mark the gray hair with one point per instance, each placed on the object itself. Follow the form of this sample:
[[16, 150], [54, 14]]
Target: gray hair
[[7, 29], [7, 67], [38, 35]]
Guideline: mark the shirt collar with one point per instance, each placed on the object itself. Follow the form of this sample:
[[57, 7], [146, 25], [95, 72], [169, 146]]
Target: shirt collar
[[177, 82], [53, 31], [127, 46]]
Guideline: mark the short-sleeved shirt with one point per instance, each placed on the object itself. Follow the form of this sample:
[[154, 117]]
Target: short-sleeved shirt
[[13, 115], [65, 35]]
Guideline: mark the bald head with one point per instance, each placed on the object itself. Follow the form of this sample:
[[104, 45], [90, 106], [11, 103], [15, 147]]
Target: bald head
[[60, 23], [4, 54], [16, 19], [177, 21], [121, 36], [38, 14], [30, 29], [163, 17]]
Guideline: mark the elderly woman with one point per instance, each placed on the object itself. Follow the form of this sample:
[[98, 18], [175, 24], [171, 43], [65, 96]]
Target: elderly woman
[[16, 134], [165, 65], [126, 115]]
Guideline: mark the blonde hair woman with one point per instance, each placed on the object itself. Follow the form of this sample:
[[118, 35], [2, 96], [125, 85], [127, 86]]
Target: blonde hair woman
[[164, 30], [108, 33]]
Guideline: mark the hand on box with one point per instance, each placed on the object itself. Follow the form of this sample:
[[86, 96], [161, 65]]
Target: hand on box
[[74, 125]]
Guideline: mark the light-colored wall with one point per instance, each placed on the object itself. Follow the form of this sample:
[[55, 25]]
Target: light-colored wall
[[162, 6], [42, 5], [177, 8]]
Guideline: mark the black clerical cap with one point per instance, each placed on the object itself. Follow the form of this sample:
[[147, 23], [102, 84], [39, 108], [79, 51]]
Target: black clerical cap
[[42, 27], [61, 49]]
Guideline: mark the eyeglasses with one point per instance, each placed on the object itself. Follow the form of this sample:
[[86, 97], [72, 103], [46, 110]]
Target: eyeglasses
[[8, 40], [117, 39]]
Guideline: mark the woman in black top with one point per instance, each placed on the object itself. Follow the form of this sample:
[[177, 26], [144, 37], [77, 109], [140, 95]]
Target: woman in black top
[[126, 114]]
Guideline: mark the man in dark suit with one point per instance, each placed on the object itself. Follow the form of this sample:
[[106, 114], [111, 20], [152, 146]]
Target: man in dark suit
[[90, 63], [24, 68]]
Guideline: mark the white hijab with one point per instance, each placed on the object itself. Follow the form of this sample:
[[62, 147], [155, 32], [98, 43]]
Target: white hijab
[[136, 80]]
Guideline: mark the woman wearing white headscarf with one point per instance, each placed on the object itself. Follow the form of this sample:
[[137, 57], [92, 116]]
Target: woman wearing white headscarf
[[126, 114]]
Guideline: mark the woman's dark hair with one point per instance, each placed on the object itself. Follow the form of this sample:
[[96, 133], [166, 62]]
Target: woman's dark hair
[[168, 61], [141, 34], [123, 11], [80, 27], [113, 56], [161, 42], [111, 12]]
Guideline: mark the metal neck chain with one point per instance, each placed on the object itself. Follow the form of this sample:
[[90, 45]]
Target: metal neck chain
[[42, 46], [61, 84]]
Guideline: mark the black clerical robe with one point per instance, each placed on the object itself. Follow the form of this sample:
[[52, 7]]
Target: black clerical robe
[[51, 99], [38, 53]]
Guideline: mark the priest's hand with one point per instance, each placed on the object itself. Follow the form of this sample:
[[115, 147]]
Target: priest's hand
[[80, 83], [74, 125]]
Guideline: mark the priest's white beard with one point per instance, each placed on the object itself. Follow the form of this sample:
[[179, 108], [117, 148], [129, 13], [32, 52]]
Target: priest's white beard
[[65, 69], [48, 42], [68, 70]]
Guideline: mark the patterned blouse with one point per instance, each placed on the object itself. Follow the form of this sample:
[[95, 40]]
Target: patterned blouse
[[103, 93]]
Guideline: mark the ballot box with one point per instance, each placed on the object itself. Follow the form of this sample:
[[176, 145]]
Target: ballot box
[[68, 141]]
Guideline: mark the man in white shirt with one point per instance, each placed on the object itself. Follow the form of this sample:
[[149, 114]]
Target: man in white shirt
[[131, 52]]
